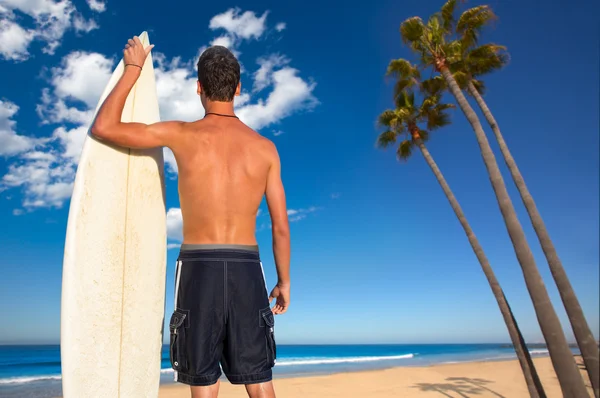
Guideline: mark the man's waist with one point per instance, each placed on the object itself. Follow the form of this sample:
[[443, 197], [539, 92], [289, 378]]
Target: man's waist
[[224, 246], [219, 251]]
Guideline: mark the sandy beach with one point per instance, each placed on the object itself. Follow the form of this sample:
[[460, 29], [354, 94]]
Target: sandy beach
[[475, 379]]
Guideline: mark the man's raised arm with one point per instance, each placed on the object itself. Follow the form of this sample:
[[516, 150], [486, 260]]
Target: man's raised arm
[[108, 125]]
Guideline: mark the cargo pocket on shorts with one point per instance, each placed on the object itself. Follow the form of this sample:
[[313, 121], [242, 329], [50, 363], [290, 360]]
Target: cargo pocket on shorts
[[268, 321], [177, 343]]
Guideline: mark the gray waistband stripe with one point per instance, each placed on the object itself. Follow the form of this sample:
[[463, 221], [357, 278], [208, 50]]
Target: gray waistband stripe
[[191, 246]]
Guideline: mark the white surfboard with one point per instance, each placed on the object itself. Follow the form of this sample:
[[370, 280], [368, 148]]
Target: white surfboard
[[113, 287]]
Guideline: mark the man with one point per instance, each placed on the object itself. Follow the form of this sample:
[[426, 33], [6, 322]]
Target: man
[[222, 311]]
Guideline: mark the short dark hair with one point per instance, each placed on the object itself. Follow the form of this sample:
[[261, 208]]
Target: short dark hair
[[218, 73]]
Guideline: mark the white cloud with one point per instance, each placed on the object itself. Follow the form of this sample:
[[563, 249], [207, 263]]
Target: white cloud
[[14, 40], [277, 133], [71, 141], [245, 26], [46, 176], [294, 215], [10, 142], [290, 94], [264, 75], [280, 26], [336, 195], [46, 180], [54, 110], [77, 85], [84, 25], [50, 20], [241, 100], [82, 76], [238, 27], [97, 5], [225, 41], [300, 214], [176, 88], [175, 224]]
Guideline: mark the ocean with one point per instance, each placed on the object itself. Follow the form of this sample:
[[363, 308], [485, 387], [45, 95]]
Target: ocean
[[34, 371]]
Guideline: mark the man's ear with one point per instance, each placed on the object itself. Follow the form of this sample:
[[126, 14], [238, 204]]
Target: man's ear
[[199, 89], [238, 89]]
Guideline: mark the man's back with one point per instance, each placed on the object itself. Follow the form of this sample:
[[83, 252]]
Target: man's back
[[223, 172]]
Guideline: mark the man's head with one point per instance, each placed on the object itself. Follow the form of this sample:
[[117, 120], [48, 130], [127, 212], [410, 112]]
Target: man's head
[[218, 75]]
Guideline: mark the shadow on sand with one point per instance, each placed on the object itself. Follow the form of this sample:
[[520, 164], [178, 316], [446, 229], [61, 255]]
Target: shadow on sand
[[460, 386]]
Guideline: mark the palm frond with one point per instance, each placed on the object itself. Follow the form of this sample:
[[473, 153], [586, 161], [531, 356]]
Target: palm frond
[[487, 50], [387, 118], [447, 13], [427, 105], [462, 79], [411, 30], [405, 101], [437, 118], [402, 69], [386, 139], [407, 75], [475, 18], [405, 150], [436, 35], [454, 51], [433, 86], [472, 21], [404, 113], [479, 86], [404, 84], [443, 107], [486, 59]]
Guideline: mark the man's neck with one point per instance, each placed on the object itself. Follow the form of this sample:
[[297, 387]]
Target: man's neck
[[222, 108]]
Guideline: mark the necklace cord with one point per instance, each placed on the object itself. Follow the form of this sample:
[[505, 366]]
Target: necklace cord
[[220, 114]]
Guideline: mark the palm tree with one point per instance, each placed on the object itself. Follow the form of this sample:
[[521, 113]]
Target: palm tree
[[405, 121], [430, 42], [476, 61]]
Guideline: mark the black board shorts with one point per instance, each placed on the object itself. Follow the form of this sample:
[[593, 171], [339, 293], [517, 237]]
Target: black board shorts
[[222, 318]]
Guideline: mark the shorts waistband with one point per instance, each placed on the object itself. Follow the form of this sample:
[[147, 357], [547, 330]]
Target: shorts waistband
[[219, 251], [192, 246]]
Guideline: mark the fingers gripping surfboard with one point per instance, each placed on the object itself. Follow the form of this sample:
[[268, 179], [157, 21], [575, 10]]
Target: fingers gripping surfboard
[[113, 288]]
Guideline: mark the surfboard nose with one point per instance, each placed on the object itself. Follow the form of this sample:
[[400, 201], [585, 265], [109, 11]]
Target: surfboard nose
[[144, 38]]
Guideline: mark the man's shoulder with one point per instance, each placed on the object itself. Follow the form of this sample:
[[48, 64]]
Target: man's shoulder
[[266, 144], [257, 138]]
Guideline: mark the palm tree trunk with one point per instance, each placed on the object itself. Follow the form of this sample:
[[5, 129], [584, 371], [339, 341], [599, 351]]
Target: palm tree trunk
[[583, 334], [570, 379], [531, 377]]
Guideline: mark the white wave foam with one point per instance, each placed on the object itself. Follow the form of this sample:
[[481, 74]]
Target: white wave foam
[[281, 362], [28, 379], [328, 361], [539, 352]]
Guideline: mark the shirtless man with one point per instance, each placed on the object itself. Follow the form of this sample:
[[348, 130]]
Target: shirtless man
[[222, 308]]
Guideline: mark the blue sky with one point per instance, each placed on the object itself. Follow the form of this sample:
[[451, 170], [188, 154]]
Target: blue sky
[[377, 254]]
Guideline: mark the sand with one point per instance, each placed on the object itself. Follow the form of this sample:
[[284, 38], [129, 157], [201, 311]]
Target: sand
[[475, 379]]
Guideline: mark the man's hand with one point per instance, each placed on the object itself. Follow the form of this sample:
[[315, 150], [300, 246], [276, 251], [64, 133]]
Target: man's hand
[[135, 53], [282, 294]]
